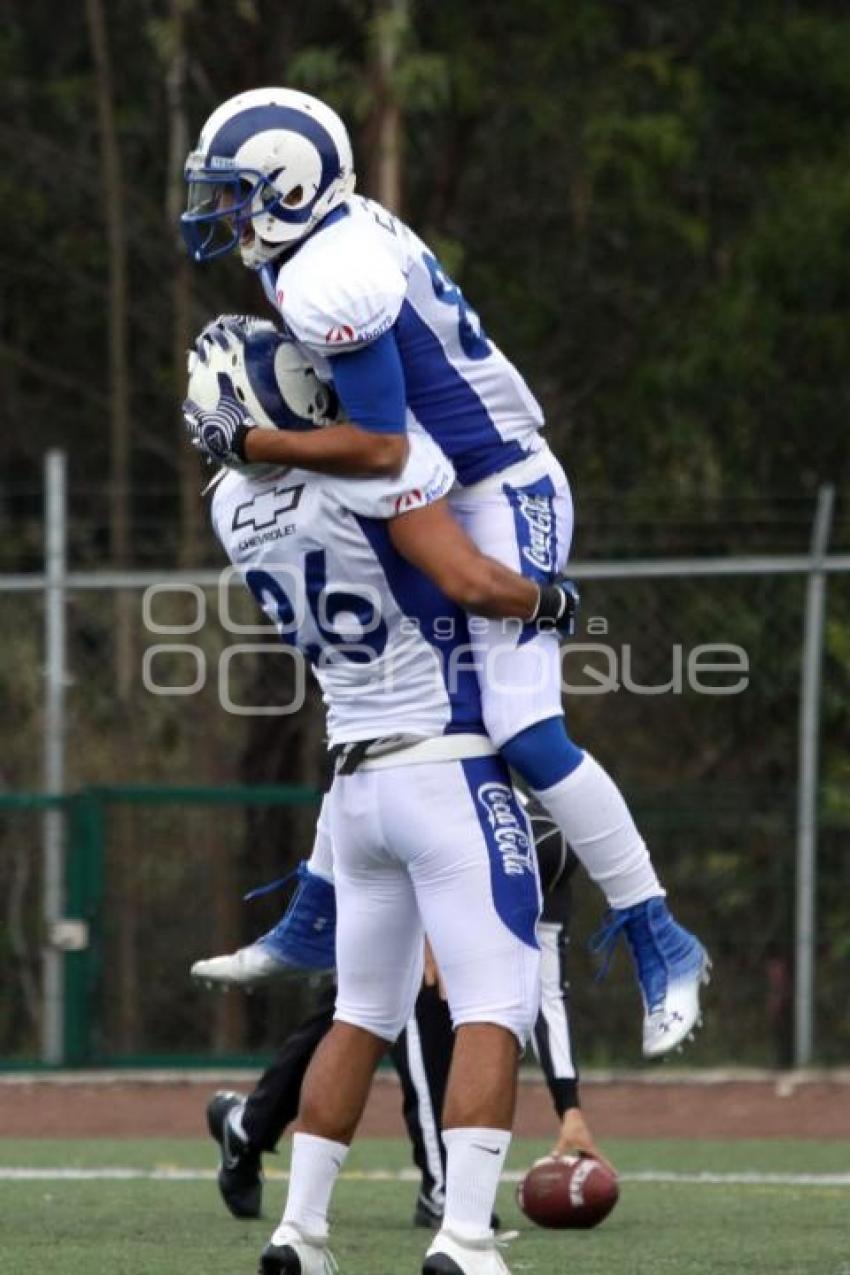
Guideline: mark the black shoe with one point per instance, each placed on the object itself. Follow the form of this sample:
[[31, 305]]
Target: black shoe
[[279, 1261], [429, 1215], [240, 1179]]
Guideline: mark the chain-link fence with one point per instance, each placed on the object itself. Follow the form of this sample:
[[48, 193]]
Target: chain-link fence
[[153, 881], [685, 679]]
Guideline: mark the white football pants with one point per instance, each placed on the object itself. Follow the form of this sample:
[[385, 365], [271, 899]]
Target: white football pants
[[443, 849], [523, 517]]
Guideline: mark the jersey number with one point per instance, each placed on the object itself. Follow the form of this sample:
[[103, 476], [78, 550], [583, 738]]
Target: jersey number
[[325, 605], [473, 342]]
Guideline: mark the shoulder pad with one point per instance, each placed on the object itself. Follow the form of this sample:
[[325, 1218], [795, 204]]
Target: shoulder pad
[[340, 300]]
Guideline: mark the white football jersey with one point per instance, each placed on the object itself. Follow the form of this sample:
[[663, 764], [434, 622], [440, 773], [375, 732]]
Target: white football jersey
[[385, 645], [363, 272]]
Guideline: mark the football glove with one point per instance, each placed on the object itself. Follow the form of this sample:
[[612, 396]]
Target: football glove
[[219, 434], [558, 604]]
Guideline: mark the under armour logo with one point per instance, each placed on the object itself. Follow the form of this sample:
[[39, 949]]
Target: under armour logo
[[267, 508], [215, 439]]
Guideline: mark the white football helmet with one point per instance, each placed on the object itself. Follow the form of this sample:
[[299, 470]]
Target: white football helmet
[[269, 165], [253, 362]]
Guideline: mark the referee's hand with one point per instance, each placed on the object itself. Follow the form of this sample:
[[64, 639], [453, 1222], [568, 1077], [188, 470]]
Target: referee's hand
[[575, 1138]]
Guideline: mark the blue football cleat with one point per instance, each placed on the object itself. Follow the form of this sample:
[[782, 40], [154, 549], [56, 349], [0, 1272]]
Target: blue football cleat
[[303, 939], [671, 966], [305, 936]]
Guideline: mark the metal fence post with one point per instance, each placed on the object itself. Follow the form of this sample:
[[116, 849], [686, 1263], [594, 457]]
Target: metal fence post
[[55, 572], [807, 793], [84, 903]]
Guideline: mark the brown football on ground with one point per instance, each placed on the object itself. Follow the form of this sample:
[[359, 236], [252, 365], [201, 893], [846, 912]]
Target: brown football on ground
[[568, 1192]]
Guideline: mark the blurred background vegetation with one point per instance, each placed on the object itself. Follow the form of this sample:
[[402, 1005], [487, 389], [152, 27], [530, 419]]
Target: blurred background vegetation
[[649, 204]]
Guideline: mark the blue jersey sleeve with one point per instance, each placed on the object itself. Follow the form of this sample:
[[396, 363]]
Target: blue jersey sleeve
[[370, 384]]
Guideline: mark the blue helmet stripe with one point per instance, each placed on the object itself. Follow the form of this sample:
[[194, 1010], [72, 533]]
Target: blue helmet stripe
[[262, 119], [260, 351]]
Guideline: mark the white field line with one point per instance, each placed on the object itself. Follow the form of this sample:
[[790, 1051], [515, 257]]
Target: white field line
[[166, 1174], [784, 1083]]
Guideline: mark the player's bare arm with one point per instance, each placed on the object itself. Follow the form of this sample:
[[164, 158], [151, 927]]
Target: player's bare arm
[[242, 349], [366, 440], [371, 438], [343, 449], [431, 539]]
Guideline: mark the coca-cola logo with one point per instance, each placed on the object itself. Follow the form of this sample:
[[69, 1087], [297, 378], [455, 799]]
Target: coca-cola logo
[[539, 518], [509, 830]]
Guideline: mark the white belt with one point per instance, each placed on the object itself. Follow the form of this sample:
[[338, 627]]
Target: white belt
[[540, 464], [406, 750]]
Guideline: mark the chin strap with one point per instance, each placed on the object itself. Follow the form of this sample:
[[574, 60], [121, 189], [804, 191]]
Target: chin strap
[[214, 481]]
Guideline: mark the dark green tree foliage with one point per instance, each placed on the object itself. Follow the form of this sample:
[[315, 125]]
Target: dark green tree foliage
[[648, 203], [658, 195]]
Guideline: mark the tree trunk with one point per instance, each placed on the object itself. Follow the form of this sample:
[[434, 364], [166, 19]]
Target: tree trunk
[[122, 850], [181, 287], [391, 20], [118, 341]]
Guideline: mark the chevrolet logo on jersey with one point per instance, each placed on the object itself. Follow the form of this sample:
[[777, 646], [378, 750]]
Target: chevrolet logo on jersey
[[266, 509]]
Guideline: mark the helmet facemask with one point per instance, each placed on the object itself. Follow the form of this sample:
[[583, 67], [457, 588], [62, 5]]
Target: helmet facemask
[[221, 209]]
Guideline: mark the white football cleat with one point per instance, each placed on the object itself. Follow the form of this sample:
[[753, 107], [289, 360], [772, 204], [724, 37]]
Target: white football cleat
[[291, 1251], [451, 1255], [248, 967], [674, 1021], [671, 966]]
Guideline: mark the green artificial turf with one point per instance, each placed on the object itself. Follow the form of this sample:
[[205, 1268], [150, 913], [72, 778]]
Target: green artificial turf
[[180, 1228]]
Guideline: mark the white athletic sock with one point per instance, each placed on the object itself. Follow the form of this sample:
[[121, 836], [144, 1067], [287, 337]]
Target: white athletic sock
[[312, 1176], [474, 1160], [589, 809]]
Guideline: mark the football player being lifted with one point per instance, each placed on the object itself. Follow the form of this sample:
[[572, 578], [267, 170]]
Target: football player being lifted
[[374, 312]]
